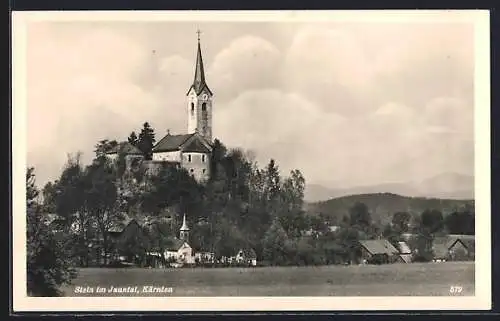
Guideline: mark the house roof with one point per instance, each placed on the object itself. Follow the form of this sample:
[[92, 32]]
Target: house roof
[[406, 257], [171, 142], [49, 218], [379, 247], [441, 245], [126, 148], [249, 253], [176, 244], [120, 226], [186, 142], [404, 248], [470, 244], [195, 146]]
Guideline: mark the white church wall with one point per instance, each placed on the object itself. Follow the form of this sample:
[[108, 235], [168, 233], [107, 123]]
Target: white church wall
[[197, 164], [174, 156]]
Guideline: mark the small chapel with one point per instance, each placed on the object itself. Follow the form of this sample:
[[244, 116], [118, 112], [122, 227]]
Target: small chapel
[[180, 250]]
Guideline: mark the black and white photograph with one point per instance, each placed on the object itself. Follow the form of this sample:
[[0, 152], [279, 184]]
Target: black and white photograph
[[323, 160]]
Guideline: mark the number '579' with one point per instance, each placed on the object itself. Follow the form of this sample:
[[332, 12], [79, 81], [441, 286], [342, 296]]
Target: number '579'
[[455, 289]]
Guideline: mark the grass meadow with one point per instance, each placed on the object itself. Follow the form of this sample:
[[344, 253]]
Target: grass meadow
[[417, 279]]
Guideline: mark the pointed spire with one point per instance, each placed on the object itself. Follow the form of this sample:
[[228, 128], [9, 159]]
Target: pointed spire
[[199, 74], [184, 226]]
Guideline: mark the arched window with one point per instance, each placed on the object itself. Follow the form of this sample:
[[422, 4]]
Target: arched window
[[192, 107], [189, 158], [204, 107]]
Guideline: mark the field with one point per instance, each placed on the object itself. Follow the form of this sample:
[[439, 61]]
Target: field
[[426, 279]]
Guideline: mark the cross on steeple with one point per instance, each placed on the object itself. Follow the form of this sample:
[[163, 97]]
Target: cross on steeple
[[198, 32]]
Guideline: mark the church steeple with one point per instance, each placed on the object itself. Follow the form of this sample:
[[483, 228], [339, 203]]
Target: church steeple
[[184, 231], [199, 100], [199, 82]]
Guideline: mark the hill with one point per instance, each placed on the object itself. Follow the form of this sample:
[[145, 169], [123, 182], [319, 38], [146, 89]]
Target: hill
[[383, 205], [444, 186]]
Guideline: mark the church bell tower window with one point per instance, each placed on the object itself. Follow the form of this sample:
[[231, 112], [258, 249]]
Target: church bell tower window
[[204, 107]]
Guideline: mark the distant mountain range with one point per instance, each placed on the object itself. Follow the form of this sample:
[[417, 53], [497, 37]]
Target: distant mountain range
[[382, 206], [443, 186]]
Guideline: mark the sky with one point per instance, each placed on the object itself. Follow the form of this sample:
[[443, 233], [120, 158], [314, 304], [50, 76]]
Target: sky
[[346, 103]]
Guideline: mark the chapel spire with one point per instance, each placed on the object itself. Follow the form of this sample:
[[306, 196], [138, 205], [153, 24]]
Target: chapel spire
[[184, 231], [199, 75]]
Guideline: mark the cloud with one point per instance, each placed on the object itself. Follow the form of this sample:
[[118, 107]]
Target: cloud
[[80, 90], [328, 66], [247, 63], [451, 113], [291, 130]]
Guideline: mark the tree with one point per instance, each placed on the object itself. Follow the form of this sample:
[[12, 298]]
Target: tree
[[70, 204], [48, 266], [461, 221], [360, 216], [292, 198], [218, 153], [133, 139], [349, 238], [104, 146], [424, 251], [146, 141], [272, 187], [401, 221], [49, 197], [101, 197], [432, 220], [276, 245], [392, 234]]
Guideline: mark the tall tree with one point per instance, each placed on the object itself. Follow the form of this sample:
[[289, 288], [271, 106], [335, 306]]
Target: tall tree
[[276, 247], [360, 216], [104, 146], [218, 153], [401, 221], [101, 197], [48, 266], [292, 197], [49, 197], [70, 203], [133, 139], [461, 221], [146, 141], [424, 251], [432, 220]]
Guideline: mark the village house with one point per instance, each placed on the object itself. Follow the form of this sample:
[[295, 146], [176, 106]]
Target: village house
[[378, 251], [54, 222], [204, 257], [125, 235], [454, 248], [129, 151], [246, 256]]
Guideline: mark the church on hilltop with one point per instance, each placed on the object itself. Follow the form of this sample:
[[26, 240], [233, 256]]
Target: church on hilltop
[[193, 149]]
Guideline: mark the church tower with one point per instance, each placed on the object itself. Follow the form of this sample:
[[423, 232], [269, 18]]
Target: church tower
[[199, 101], [184, 231]]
